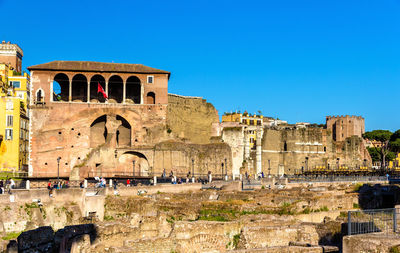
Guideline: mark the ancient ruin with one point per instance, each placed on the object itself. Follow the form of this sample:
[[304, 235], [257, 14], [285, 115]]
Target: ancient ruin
[[108, 119]]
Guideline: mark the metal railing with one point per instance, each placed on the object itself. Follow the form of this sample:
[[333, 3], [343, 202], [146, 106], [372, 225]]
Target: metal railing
[[298, 179], [372, 221]]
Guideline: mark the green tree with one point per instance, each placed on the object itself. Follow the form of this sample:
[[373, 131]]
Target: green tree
[[384, 137], [394, 142]]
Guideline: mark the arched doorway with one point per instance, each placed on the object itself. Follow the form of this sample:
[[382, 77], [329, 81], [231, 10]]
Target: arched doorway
[[96, 97], [60, 87], [151, 98], [79, 88], [115, 89], [134, 163], [133, 90]]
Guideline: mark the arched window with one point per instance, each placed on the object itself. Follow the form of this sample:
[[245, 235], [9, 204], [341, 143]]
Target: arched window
[[79, 88], [96, 96], [133, 90], [115, 89], [151, 98], [60, 87], [39, 96]]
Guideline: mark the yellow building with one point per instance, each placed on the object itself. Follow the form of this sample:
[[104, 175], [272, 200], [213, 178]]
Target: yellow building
[[14, 123], [253, 121], [395, 164]]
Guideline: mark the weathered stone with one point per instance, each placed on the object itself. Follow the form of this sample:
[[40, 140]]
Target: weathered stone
[[34, 238]]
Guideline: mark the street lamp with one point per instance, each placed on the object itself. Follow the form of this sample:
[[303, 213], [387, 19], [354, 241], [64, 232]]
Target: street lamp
[[58, 169], [269, 168], [222, 170], [226, 167], [192, 167], [307, 163]]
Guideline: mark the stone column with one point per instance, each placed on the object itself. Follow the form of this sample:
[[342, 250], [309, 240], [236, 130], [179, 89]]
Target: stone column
[[85, 184], [106, 88], [259, 135], [70, 90], [88, 92], [246, 145], [28, 184], [124, 92], [141, 94], [110, 183], [155, 180]]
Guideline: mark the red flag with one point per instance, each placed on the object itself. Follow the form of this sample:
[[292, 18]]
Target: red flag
[[100, 89]]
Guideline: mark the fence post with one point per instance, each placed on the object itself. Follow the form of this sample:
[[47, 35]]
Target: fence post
[[349, 223], [394, 220]]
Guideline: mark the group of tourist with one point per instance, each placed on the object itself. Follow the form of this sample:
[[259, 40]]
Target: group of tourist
[[7, 185], [59, 184]]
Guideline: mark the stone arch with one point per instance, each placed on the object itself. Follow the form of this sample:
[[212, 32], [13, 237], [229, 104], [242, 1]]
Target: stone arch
[[79, 88], [135, 163], [60, 87], [115, 89], [95, 96], [133, 90], [98, 131], [123, 132], [151, 98]]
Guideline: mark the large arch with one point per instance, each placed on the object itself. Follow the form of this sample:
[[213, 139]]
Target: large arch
[[60, 87], [134, 163], [151, 98], [79, 88], [98, 131], [96, 96], [115, 89], [133, 90], [123, 133]]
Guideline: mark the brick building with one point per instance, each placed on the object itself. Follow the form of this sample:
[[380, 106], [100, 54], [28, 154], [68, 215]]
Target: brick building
[[343, 127], [126, 134], [11, 54]]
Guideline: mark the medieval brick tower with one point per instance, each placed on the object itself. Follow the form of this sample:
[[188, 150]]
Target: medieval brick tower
[[343, 127]]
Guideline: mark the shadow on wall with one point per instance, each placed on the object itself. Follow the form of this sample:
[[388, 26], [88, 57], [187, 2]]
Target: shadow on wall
[[44, 239], [378, 196]]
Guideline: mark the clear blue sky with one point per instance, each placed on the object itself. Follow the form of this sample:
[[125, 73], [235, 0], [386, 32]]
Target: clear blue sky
[[296, 60]]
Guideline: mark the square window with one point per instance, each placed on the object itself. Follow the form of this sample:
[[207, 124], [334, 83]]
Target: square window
[[9, 134], [9, 121], [150, 79], [15, 84]]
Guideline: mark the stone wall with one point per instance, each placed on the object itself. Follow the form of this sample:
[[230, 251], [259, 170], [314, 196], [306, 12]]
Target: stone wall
[[291, 150], [191, 118]]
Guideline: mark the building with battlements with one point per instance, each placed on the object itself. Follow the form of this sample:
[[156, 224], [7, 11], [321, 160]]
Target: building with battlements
[[343, 127]]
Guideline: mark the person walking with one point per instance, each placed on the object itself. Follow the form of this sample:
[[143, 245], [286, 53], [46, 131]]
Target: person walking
[[128, 183]]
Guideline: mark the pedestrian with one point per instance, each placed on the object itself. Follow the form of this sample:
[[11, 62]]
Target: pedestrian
[[115, 183], [164, 174], [128, 183], [49, 185], [1, 186], [12, 184], [171, 174]]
